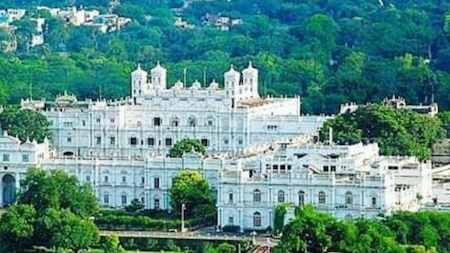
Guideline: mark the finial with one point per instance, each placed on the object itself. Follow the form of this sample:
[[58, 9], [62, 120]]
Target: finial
[[250, 64], [157, 63], [139, 65], [232, 66]]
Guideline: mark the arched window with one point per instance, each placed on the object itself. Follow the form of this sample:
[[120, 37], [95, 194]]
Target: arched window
[[348, 217], [257, 219], [174, 122], [301, 198], [192, 121], [280, 196], [256, 195], [348, 198], [322, 198]]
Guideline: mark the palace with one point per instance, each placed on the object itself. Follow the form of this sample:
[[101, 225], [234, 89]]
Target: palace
[[155, 117], [261, 152]]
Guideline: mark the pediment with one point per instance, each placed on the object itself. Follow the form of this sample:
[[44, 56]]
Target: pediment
[[9, 140]]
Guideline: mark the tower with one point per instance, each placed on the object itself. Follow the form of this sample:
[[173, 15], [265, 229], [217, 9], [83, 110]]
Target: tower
[[232, 78], [138, 81], [159, 77], [250, 79]]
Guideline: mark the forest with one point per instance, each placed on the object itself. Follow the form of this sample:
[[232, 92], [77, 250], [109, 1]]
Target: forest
[[328, 52]]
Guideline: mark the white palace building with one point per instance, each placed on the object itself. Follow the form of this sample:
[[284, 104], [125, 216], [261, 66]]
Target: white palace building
[[261, 152]]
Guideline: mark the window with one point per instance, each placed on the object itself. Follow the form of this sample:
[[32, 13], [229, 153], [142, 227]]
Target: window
[[25, 158], [301, 198], [6, 157], [230, 197], [142, 180], [280, 196], [157, 121], [150, 141], [205, 142], [225, 141], [325, 169], [210, 122], [168, 141], [98, 140], [231, 220], [124, 179], [68, 124], [156, 182], [106, 199], [88, 178], [374, 201], [133, 141], [83, 122], [97, 120], [240, 141], [105, 179], [69, 139], [124, 200], [156, 203], [256, 195], [348, 198], [257, 219], [174, 122], [272, 127], [111, 120], [322, 198], [192, 121]]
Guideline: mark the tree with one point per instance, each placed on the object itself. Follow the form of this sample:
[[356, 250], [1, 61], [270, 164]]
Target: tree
[[186, 145], [192, 190], [25, 124], [135, 206], [17, 227], [112, 244], [56, 189], [53, 210]]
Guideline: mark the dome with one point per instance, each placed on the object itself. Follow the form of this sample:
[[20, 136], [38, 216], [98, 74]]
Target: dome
[[250, 69], [196, 85], [213, 85], [232, 73], [178, 85], [158, 69], [139, 71]]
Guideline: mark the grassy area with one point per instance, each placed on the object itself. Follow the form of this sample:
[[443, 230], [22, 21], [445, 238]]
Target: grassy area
[[134, 251]]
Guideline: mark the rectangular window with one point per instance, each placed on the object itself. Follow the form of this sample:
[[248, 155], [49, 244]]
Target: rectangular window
[[98, 140], [374, 201], [156, 182], [133, 141], [112, 140], [111, 120], [88, 178], [333, 168], [205, 142], [106, 179], [25, 158], [157, 121], [142, 180], [168, 141], [97, 120], [106, 199], [6, 157], [325, 169], [124, 200], [68, 124], [230, 197], [151, 141], [231, 220], [124, 179], [156, 204], [69, 139], [83, 122]]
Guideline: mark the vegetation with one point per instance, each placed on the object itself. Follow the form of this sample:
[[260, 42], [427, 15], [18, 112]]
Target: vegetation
[[398, 132], [186, 145], [279, 218], [53, 211], [190, 189], [25, 124], [312, 231], [328, 52]]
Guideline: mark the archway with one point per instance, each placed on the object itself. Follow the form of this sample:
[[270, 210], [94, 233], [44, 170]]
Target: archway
[[9, 190]]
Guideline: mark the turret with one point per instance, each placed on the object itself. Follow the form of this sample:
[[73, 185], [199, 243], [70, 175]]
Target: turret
[[138, 81], [232, 78], [250, 80], [159, 77]]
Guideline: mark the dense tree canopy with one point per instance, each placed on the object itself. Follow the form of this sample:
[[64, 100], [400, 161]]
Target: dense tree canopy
[[192, 190], [328, 52], [397, 131], [53, 211], [312, 231], [25, 124]]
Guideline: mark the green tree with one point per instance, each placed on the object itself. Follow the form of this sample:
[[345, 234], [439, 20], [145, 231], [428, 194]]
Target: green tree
[[25, 124], [17, 227], [186, 145], [135, 206], [191, 189], [111, 244]]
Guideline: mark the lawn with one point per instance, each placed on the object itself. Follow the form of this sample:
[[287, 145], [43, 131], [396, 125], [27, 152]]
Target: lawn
[[134, 251]]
